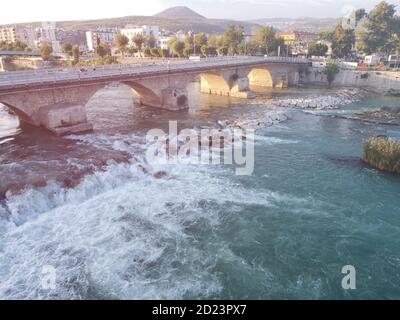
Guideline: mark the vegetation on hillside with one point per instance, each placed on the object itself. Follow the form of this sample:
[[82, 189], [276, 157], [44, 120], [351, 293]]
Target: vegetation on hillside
[[383, 153]]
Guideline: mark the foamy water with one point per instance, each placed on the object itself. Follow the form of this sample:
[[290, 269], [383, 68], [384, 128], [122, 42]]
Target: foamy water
[[111, 229]]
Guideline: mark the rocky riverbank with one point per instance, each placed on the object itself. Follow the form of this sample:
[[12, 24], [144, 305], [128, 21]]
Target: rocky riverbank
[[384, 115], [335, 100], [258, 121]]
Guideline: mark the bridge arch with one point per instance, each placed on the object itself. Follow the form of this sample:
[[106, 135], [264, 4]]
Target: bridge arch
[[22, 115], [146, 96], [261, 77], [214, 83]]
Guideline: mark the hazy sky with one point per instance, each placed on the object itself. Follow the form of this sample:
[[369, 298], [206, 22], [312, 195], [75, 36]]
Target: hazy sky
[[51, 10]]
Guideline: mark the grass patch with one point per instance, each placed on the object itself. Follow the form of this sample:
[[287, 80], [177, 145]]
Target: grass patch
[[383, 153]]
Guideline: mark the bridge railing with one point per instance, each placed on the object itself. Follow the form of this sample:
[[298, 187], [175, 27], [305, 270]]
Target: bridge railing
[[63, 74]]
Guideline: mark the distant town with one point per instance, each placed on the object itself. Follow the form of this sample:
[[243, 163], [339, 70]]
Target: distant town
[[357, 40]]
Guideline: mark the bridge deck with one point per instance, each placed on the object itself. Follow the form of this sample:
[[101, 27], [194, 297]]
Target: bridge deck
[[28, 79]]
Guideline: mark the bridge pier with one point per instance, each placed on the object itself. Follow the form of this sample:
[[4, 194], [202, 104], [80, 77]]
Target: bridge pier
[[64, 118], [217, 85]]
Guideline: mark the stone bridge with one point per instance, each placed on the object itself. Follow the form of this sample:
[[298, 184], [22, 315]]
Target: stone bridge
[[56, 99]]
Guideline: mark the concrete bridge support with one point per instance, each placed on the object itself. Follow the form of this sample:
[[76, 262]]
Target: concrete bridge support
[[229, 83]]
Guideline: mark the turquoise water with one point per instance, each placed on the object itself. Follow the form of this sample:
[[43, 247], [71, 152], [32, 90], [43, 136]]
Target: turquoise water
[[310, 208]]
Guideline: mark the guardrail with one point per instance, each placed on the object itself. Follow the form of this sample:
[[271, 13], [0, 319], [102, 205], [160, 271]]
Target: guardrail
[[64, 74]]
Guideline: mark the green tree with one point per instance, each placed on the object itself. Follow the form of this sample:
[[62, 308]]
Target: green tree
[[147, 52], [201, 40], [223, 51], [102, 50], [233, 38], [177, 47], [138, 40], [318, 49], [327, 35], [215, 41], [67, 49], [45, 51], [76, 54], [208, 51], [150, 41], [342, 42], [266, 38], [381, 30], [155, 52], [122, 42], [360, 14], [331, 70], [164, 53]]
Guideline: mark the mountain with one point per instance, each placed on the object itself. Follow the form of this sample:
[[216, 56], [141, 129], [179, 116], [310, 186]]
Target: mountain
[[179, 13], [299, 24]]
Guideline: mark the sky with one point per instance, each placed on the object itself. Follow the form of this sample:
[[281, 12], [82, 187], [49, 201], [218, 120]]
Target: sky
[[51, 10]]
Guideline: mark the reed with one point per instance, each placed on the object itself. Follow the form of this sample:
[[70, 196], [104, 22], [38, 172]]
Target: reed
[[383, 153]]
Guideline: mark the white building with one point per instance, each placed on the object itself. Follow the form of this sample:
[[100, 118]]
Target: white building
[[101, 35], [163, 42], [48, 34], [145, 31]]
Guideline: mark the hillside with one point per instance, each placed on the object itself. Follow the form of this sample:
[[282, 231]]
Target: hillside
[[173, 19], [300, 24]]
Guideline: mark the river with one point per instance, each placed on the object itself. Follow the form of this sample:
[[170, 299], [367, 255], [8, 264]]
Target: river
[[89, 207]]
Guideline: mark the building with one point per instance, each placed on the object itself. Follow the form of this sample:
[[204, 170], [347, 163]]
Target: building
[[101, 35], [299, 37], [48, 34], [8, 34], [298, 41], [145, 30], [163, 42], [28, 35]]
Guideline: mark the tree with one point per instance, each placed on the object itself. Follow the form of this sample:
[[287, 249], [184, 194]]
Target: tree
[[223, 51], [147, 52], [102, 50], [266, 38], [360, 14], [76, 54], [155, 52], [16, 46], [177, 47], [232, 38], [208, 51], [381, 30], [342, 42], [150, 41], [164, 53], [318, 49], [201, 40], [215, 41], [45, 51], [331, 70], [327, 35], [122, 42], [138, 40], [67, 49]]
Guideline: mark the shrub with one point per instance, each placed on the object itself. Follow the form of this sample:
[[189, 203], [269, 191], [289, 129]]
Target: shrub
[[383, 153], [331, 70]]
